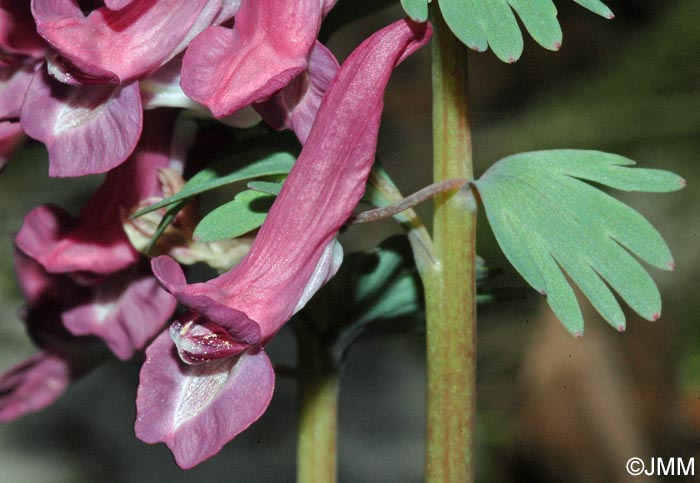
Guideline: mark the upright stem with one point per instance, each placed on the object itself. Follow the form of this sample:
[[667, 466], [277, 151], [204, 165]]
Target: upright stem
[[318, 410], [450, 287]]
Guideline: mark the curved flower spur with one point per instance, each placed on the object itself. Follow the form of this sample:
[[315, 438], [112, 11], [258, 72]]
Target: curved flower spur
[[197, 408]]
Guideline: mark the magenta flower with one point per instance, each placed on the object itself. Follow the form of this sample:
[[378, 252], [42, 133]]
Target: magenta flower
[[123, 41], [91, 120], [95, 242], [197, 408], [81, 278], [115, 299], [269, 45], [86, 128], [125, 310]]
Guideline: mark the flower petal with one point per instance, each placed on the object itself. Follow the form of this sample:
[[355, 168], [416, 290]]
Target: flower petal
[[95, 242], [126, 44], [295, 106], [206, 299], [32, 385], [87, 129], [13, 86], [228, 69], [126, 311], [17, 30], [197, 409], [11, 136]]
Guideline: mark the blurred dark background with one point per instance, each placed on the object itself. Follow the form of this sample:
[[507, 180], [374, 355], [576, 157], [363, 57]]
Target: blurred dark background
[[551, 408]]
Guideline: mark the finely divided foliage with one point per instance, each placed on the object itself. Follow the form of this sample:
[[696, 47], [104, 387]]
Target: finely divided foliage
[[483, 23], [548, 222]]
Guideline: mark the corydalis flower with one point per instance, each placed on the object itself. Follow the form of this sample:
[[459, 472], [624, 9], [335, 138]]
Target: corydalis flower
[[91, 120], [95, 241], [196, 409], [228, 69], [114, 298], [119, 45]]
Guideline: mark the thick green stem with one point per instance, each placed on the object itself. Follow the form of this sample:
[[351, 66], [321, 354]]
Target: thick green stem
[[450, 288], [318, 410]]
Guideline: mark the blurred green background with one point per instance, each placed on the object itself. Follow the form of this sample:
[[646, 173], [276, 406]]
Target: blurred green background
[[551, 408]]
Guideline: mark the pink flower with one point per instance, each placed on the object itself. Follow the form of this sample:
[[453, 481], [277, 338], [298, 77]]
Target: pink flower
[[91, 120], [228, 69], [196, 409], [124, 310], [123, 41], [95, 242], [83, 282], [117, 300], [87, 129]]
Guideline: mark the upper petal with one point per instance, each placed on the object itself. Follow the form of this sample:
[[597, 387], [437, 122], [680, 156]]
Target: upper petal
[[228, 69], [295, 106], [124, 44], [86, 129], [197, 409]]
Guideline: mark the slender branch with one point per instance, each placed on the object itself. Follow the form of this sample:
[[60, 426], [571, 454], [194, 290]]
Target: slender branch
[[417, 233], [450, 289], [318, 410], [410, 201]]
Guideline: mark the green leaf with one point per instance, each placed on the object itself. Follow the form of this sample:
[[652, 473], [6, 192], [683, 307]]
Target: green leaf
[[417, 10], [548, 222], [168, 217], [375, 291], [245, 213], [269, 187], [483, 23], [378, 289], [276, 163]]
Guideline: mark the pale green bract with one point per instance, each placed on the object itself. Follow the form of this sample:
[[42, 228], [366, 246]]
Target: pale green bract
[[483, 23], [548, 222]]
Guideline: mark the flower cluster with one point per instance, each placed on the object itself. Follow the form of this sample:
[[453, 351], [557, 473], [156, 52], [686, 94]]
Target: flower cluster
[[103, 85]]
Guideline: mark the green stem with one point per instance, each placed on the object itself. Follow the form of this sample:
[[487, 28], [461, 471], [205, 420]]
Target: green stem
[[318, 410], [450, 288]]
